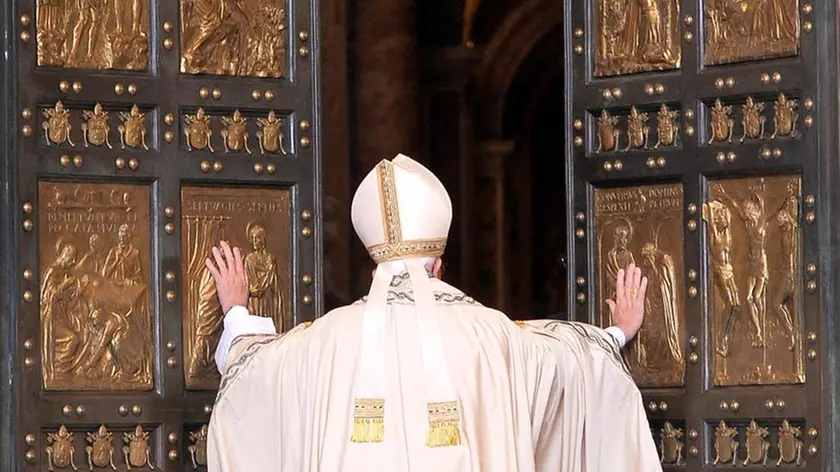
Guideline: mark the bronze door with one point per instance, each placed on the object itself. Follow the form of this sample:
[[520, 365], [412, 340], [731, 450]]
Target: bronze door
[[145, 132], [695, 149]]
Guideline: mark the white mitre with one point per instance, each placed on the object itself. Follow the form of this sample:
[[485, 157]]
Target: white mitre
[[401, 210], [402, 214]]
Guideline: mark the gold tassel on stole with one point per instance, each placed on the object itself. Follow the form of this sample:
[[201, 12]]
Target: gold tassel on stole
[[444, 424], [368, 420]]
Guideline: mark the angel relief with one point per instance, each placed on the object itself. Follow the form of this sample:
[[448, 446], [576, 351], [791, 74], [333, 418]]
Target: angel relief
[[96, 305], [637, 36], [246, 230]]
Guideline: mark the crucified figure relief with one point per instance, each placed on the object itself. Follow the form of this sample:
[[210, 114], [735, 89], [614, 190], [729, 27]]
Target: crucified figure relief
[[756, 219], [717, 216]]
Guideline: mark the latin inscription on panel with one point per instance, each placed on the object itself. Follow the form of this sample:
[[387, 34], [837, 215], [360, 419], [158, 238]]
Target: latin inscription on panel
[[95, 302], [754, 253], [643, 225], [636, 36], [245, 38], [746, 30], [256, 221], [92, 34]]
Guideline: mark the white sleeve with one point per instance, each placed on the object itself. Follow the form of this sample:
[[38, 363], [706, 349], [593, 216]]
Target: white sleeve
[[238, 322], [613, 330]]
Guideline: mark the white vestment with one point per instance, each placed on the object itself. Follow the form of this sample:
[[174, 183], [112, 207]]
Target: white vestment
[[547, 396]]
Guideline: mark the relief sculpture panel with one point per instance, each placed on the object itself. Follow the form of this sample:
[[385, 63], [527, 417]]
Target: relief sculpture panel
[[93, 34], [636, 36], [95, 302], [746, 30], [754, 259], [258, 222], [245, 38], [643, 225]]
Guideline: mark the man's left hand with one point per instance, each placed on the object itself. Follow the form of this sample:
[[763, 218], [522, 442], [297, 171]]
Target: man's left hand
[[228, 272]]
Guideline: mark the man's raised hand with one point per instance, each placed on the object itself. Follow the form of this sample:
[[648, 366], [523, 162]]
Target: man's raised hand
[[228, 272], [628, 308]]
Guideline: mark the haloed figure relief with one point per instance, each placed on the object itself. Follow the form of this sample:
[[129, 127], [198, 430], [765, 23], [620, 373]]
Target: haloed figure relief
[[93, 34], [745, 30], [257, 222], [244, 38], [764, 346], [636, 36], [95, 300], [643, 225]]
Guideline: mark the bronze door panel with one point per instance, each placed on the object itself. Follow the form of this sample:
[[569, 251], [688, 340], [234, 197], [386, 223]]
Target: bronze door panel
[[95, 300], [643, 225], [135, 126], [94, 35], [743, 109], [250, 40], [256, 220], [636, 36], [750, 30], [753, 232]]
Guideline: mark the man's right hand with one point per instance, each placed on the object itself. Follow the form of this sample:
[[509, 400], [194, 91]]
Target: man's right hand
[[228, 272], [628, 308]]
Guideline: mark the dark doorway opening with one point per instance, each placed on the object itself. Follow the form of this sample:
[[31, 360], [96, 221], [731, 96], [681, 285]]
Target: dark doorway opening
[[536, 179]]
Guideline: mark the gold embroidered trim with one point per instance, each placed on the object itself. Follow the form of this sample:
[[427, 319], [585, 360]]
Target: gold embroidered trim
[[413, 248], [368, 420], [444, 424], [390, 206]]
